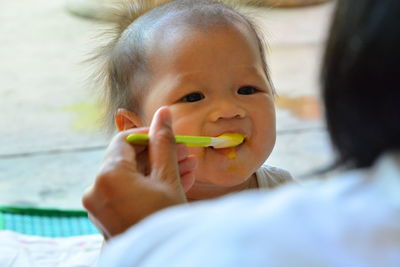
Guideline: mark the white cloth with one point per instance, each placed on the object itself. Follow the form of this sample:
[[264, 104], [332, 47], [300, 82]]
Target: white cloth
[[351, 220], [19, 250], [271, 177]]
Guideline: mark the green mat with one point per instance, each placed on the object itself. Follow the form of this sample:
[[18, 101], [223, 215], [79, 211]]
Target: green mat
[[45, 222]]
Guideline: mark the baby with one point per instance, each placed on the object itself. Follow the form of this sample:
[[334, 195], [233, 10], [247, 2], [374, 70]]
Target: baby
[[205, 61]]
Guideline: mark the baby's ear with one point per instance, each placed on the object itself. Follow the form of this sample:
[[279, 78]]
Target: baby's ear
[[125, 119]]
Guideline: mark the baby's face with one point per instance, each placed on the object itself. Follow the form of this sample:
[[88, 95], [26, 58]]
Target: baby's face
[[214, 83]]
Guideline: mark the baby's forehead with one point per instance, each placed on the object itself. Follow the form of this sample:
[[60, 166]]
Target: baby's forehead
[[215, 40], [175, 35], [156, 24], [198, 55]]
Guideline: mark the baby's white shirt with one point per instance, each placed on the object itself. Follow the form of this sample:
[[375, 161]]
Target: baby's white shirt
[[270, 177]]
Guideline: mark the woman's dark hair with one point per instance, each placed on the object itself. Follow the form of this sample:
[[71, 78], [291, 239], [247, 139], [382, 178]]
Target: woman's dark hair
[[361, 81]]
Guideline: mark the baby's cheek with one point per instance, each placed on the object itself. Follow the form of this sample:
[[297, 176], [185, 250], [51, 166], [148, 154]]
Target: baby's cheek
[[261, 147], [198, 152], [267, 132]]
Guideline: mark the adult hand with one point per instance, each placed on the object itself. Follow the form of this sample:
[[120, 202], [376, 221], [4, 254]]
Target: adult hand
[[124, 193]]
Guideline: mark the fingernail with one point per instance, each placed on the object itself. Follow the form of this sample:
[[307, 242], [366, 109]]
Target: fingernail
[[166, 118]]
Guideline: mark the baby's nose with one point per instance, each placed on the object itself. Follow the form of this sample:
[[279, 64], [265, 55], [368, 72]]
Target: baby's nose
[[227, 110]]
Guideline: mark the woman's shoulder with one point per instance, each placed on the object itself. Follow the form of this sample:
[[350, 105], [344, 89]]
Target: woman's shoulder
[[351, 219]]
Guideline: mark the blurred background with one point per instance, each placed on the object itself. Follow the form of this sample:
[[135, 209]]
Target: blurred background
[[51, 141]]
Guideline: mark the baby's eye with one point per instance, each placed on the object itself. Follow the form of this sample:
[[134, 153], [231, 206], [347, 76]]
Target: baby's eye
[[247, 90], [193, 97]]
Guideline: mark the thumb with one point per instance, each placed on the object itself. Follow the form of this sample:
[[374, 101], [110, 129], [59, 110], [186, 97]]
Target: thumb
[[162, 149]]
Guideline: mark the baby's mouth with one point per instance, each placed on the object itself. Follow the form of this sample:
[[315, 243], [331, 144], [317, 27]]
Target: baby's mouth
[[229, 152], [237, 146]]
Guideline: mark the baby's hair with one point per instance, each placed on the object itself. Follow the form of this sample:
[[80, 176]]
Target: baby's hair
[[122, 62]]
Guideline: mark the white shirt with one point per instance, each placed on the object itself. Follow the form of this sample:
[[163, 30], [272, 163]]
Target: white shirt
[[270, 177], [351, 220]]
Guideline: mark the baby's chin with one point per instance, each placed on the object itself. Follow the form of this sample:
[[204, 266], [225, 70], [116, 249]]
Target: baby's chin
[[216, 185], [223, 176], [228, 167]]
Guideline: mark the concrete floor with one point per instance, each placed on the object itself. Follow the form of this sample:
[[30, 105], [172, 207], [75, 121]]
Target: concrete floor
[[51, 142]]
